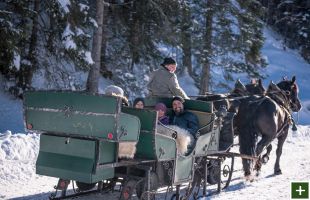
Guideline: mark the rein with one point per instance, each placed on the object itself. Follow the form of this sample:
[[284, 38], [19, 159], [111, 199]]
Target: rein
[[282, 100]]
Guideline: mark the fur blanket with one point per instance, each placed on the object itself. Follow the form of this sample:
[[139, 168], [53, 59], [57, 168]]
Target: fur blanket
[[184, 139], [127, 149]]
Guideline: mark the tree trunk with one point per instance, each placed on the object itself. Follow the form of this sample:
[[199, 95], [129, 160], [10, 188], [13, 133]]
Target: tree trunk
[[205, 79], [26, 71], [94, 72], [104, 71], [187, 40], [52, 31], [134, 35]]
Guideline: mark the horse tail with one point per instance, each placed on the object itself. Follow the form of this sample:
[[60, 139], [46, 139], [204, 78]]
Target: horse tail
[[247, 142]]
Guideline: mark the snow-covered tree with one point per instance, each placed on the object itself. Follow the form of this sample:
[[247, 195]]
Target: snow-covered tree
[[292, 20], [231, 38]]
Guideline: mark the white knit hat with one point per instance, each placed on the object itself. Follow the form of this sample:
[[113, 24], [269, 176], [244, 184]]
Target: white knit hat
[[113, 89]]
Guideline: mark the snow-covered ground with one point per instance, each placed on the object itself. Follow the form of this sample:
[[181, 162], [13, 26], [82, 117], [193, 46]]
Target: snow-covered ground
[[18, 179], [18, 150]]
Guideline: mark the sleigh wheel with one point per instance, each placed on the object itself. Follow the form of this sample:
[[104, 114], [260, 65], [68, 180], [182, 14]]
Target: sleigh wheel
[[227, 171]]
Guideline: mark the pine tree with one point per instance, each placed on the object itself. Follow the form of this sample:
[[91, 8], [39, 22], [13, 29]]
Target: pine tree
[[232, 41], [208, 36], [10, 51], [19, 24], [292, 20], [30, 63]]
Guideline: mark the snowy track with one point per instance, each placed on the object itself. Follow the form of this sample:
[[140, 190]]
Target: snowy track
[[18, 179]]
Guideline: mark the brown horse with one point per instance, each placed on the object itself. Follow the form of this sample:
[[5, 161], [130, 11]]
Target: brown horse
[[268, 116]]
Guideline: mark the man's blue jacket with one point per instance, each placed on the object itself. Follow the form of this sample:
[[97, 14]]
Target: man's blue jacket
[[186, 120]]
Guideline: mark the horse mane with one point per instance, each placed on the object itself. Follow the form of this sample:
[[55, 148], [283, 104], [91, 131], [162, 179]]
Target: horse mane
[[239, 89], [273, 88]]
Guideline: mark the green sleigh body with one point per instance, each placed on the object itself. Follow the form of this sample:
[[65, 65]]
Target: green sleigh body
[[81, 135]]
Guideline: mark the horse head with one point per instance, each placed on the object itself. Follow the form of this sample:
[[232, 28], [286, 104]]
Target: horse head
[[291, 90], [256, 87], [240, 89]]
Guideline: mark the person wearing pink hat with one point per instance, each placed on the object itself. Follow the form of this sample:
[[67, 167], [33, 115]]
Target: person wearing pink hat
[[161, 110]]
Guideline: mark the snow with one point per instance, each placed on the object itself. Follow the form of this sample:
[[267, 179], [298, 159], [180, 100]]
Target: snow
[[129, 75], [188, 84], [294, 164], [18, 150], [282, 62], [88, 57], [67, 38], [94, 22], [79, 31], [11, 113], [65, 5], [83, 7], [18, 153], [16, 60]]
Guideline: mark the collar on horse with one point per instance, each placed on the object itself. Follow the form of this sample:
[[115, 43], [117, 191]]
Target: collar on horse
[[281, 98]]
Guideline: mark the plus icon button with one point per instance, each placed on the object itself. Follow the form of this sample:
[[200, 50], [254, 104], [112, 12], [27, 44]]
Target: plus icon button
[[300, 190]]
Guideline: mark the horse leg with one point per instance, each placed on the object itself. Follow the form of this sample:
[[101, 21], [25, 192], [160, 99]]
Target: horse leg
[[262, 143], [265, 157], [259, 149], [247, 168], [281, 140]]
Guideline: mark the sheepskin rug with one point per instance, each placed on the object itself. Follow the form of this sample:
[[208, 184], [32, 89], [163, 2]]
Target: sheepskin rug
[[184, 139], [127, 149]]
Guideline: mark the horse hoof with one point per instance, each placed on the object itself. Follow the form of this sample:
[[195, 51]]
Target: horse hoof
[[249, 178], [257, 173], [278, 172]]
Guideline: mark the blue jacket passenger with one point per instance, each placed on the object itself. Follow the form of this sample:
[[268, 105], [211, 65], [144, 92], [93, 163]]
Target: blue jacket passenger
[[183, 118]]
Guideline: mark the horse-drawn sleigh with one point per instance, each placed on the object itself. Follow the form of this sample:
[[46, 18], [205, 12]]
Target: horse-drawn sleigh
[[94, 140]]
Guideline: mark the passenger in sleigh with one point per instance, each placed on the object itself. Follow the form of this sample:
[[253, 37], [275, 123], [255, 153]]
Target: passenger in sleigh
[[126, 149], [138, 103], [183, 118], [161, 113], [184, 123], [113, 90]]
